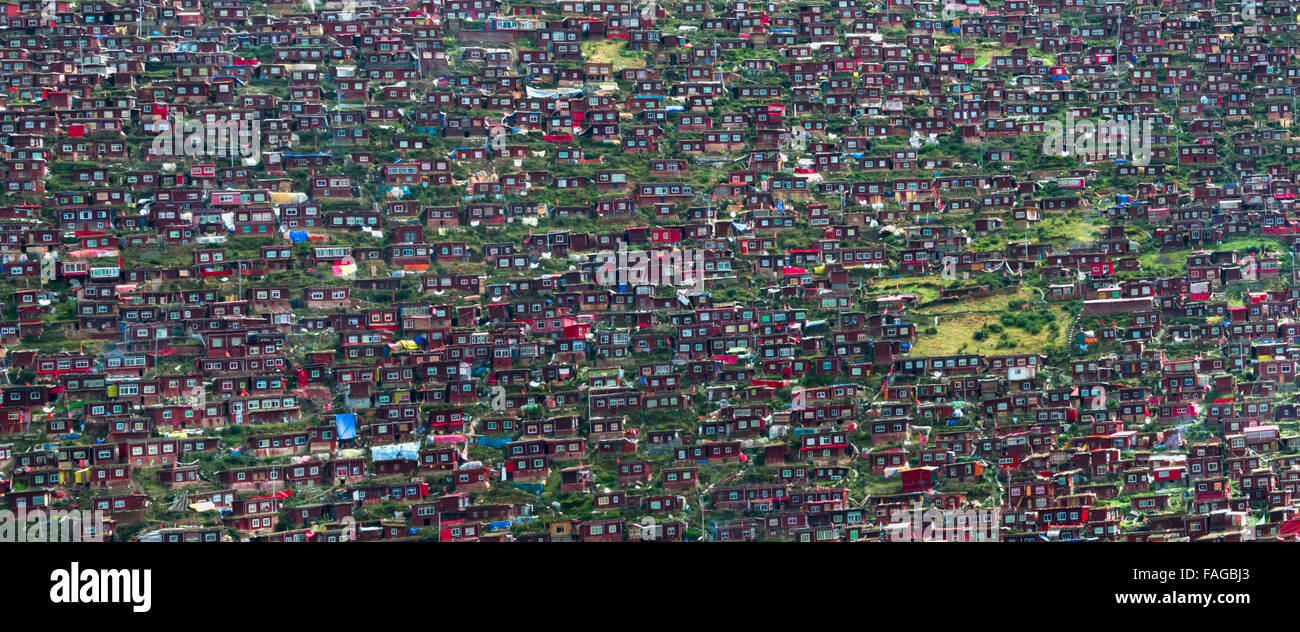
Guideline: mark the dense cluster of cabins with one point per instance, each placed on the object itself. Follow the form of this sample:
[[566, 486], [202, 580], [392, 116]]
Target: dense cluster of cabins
[[769, 396]]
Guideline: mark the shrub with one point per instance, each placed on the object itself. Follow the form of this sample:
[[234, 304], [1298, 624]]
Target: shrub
[[1031, 322]]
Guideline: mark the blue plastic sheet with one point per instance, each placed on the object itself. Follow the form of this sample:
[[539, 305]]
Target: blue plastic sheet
[[492, 442], [347, 426]]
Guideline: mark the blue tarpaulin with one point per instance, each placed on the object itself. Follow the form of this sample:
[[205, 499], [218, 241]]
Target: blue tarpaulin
[[347, 426], [298, 235], [492, 442]]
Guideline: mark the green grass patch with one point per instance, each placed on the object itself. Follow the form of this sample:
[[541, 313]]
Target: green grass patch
[[612, 51]]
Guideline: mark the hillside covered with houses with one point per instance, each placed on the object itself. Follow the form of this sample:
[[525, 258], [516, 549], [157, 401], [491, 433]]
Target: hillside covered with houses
[[671, 270]]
